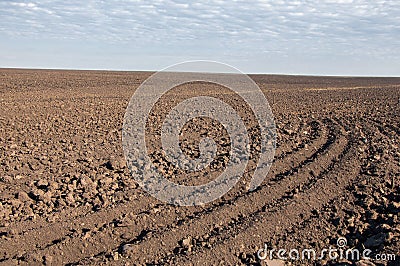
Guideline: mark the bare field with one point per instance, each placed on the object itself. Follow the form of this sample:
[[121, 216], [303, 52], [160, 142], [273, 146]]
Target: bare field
[[68, 198]]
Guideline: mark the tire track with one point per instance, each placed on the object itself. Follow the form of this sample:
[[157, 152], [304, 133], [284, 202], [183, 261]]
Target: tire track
[[83, 211], [223, 215], [98, 218], [256, 232]]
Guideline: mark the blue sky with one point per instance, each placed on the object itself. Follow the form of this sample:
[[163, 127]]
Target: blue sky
[[344, 37]]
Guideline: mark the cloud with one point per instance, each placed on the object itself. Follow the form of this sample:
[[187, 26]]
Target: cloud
[[28, 5], [345, 27]]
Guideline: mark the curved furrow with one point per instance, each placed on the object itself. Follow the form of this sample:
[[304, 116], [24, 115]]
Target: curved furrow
[[263, 225], [243, 207], [110, 216], [81, 211], [344, 202], [286, 148], [384, 128]]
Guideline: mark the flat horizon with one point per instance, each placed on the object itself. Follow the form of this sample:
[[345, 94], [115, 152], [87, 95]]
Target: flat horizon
[[154, 71]]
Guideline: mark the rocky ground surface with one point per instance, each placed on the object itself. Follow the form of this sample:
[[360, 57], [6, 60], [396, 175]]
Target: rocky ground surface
[[67, 197]]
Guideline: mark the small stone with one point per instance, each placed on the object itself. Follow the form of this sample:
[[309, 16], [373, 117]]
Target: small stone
[[70, 198], [54, 185], [374, 215], [37, 194], [13, 146], [23, 196], [115, 163], [386, 227], [12, 232], [377, 157], [107, 181], [47, 260], [42, 184], [52, 218], [187, 242], [127, 248]]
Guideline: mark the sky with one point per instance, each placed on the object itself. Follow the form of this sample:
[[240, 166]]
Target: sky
[[343, 37]]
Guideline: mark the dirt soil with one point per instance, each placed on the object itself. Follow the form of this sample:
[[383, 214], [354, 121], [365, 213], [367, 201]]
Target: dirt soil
[[67, 197]]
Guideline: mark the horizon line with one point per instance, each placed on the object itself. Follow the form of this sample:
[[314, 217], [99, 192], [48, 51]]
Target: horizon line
[[154, 71]]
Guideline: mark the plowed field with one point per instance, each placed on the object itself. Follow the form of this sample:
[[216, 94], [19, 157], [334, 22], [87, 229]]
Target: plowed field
[[67, 197]]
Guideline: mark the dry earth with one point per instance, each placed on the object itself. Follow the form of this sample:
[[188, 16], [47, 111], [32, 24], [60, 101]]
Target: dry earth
[[66, 196]]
